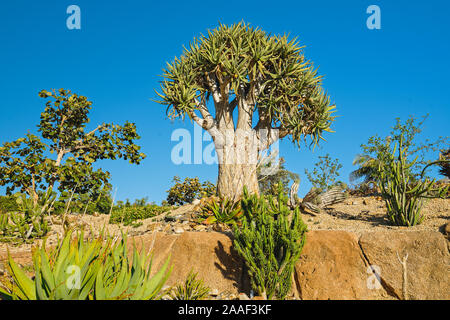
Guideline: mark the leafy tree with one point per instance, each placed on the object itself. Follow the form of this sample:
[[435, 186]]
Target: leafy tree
[[265, 78], [25, 165], [325, 172], [377, 151], [268, 184], [188, 190]]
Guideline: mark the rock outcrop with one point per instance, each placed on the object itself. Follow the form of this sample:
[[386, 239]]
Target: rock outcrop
[[333, 264]]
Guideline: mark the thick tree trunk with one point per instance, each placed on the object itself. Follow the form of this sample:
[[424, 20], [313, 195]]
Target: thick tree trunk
[[233, 178], [237, 153]]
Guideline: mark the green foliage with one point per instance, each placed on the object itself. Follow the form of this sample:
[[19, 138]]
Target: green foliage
[[325, 173], [78, 270], [28, 222], [93, 201], [270, 240], [221, 211], [268, 184], [445, 166], [404, 195], [132, 214], [241, 66], [188, 190], [377, 151], [8, 204], [24, 164], [192, 289]]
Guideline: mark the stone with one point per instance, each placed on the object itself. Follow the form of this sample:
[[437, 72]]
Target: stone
[[178, 230], [243, 296], [196, 202], [214, 292], [331, 266], [209, 254], [428, 272]]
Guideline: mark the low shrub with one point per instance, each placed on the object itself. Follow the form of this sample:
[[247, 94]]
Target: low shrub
[[79, 270], [132, 215], [191, 289], [188, 190]]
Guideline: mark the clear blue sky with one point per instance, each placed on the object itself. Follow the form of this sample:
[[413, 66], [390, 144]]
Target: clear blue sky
[[373, 76]]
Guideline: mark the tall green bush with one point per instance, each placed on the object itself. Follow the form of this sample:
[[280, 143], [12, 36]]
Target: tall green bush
[[270, 240]]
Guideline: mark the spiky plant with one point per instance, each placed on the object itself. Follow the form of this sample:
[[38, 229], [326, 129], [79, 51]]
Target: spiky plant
[[78, 270], [191, 289]]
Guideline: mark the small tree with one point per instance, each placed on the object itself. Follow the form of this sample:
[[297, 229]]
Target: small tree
[[25, 165], [325, 173], [377, 151], [268, 184], [188, 190], [265, 78]]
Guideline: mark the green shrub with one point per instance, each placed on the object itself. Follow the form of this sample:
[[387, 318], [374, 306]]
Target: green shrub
[[188, 190], [325, 173], [28, 222], [270, 240], [131, 215], [8, 204], [192, 289], [78, 270], [403, 194]]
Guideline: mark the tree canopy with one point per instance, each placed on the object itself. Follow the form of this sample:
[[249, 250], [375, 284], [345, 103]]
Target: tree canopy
[[25, 163]]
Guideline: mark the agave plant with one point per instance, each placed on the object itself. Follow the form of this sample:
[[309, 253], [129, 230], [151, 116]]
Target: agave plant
[[80, 270], [221, 211]]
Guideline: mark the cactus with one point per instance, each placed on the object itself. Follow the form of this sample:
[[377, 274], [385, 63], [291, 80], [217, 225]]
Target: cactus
[[404, 198], [29, 222], [270, 240]]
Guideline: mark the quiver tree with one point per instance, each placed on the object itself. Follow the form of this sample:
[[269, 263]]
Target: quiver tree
[[26, 164], [266, 79]]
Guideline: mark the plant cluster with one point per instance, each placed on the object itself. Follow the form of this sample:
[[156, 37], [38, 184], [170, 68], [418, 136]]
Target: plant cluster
[[186, 191], [8, 204], [132, 214], [221, 211], [78, 270], [192, 289], [28, 222], [270, 240], [325, 173], [404, 195]]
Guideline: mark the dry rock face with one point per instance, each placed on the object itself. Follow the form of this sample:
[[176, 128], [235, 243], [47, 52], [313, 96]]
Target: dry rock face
[[427, 265], [333, 264]]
